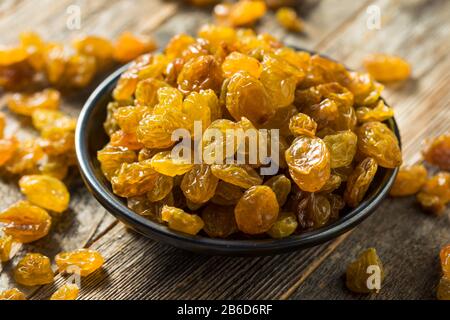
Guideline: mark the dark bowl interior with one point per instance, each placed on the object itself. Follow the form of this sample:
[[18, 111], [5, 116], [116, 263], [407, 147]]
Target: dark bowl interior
[[91, 137]]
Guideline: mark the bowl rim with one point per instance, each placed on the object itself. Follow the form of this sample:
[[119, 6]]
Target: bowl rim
[[202, 244]]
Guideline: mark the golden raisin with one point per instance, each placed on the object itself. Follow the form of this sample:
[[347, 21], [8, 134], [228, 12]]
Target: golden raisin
[[284, 226], [445, 260], [129, 46], [387, 68], [12, 294], [81, 261], [359, 273], [435, 193], [409, 181], [199, 184], [437, 152], [179, 220], [25, 104], [288, 18], [219, 221], [34, 269], [359, 181], [5, 247], [66, 292]]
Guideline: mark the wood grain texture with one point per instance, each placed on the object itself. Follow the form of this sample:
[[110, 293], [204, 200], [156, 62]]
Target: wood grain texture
[[138, 268]]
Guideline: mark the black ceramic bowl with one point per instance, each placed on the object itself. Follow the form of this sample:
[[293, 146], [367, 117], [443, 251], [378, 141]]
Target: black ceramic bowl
[[90, 137]]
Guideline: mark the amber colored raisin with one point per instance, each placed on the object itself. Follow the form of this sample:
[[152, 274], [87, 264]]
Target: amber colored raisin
[[237, 61], [164, 163], [359, 273], [288, 18], [285, 225], [7, 149], [437, 151], [219, 221], [25, 157], [242, 176], [309, 163], [79, 71], [379, 112], [376, 140], [111, 159], [81, 261], [302, 124], [44, 118], [34, 269], [45, 191], [100, 48], [199, 184], [332, 184], [134, 179], [163, 186], [148, 209], [409, 181], [247, 97], [359, 181], [445, 260], [443, 290], [5, 247], [25, 222], [146, 91], [243, 12], [68, 291], [217, 141], [435, 193], [129, 46], [313, 210], [181, 221], [387, 68], [257, 210], [227, 194], [281, 186], [12, 55], [200, 73], [342, 146], [55, 166], [2, 124], [12, 294], [25, 104]]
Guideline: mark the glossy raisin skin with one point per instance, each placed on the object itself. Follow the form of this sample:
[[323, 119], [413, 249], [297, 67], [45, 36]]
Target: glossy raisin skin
[[181, 221], [5, 247], [34, 269], [358, 272], [359, 181], [387, 68], [82, 261], [437, 152], [257, 210], [66, 292], [435, 193], [219, 221], [409, 181], [12, 294]]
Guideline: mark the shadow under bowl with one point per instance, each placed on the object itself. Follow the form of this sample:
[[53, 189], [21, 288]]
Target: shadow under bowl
[[91, 137]]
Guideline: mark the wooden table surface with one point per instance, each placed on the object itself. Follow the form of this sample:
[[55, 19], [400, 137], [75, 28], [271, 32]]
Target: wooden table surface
[[406, 239]]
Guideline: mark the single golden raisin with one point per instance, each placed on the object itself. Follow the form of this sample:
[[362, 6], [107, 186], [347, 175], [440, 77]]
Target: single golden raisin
[[163, 186], [227, 194], [437, 151], [12, 55], [34, 269], [342, 146], [376, 140], [435, 193], [7, 149], [302, 124], [25, 158], [309, 163], [285, 225], [445, 260], [219, 221], [111, 159], [242, 176], [378, 112], [237, 61], [12, 294], [199, 184], [68, 291], [25, 222], [99, 48], [25, 104], [44, 118], [45, 191], [242, 13], [409, 181], [359, 273], [134, 179], [257, 210], [201, 73], [81, 261], [359, 181], [181, 221], [164, 163], [281, 186], [129, 46], [5, 247], [288, 18], [387, 68]]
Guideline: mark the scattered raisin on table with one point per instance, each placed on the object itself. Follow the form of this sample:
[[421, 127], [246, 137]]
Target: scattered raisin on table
[[435, 193], [359, 271], [66, 292], [80, 261], [34, 269], [179, 220], [12, 294], [437, 152], [409, 180], [288, 19], [5, 247], [387, 68]]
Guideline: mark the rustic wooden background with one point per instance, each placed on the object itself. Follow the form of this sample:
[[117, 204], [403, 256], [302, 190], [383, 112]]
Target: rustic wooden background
[[407, 240]]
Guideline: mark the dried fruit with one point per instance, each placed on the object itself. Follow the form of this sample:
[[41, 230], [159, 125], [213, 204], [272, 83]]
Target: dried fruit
[[12, 294], [164, 163], [445, 260], [227, 194], [281, 186], [288, 18], [5, 247], [365, 274], [25, 157], [25, 104], [44, 118], [25, 222], [409, 181], [34, 269], [163, 186], [242, 176], [379, 112], [437, 151], [7, 149], [201, 73], [284, 226], [342, 146], [219, 221], [66, 292], [313, 210], [99, 48], [134, 179], [45, 191], [359, 181], [387, 68], [443, 291], [257, 210], [237, 61], [81, 261], [111, 159], [179, 220], [302, 124], [199, 184], [376, 140], [435, 193], [129, 46], [309, 163]]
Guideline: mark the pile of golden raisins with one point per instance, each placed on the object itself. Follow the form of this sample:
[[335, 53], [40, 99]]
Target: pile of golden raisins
[[332, 138], [42, 163]]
